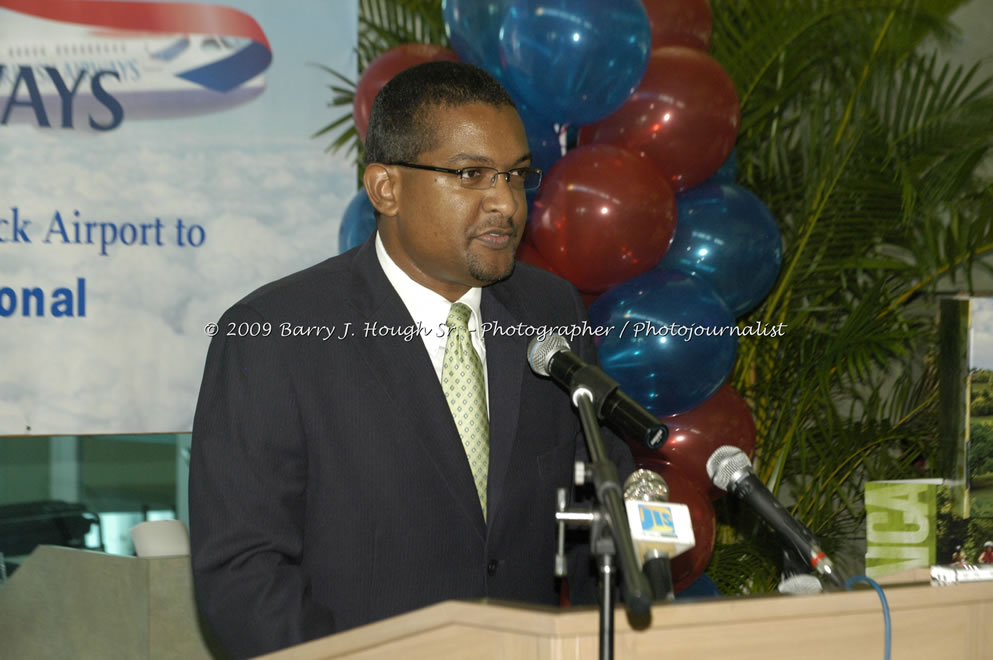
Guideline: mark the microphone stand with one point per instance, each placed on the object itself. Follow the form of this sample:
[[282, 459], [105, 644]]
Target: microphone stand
[[610, 534]]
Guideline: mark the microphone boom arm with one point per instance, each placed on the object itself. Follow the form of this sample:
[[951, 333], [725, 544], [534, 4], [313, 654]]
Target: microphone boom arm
[[637, 591]]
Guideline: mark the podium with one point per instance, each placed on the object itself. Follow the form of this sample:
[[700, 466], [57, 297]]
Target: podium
[[927, 622], [67, 603]]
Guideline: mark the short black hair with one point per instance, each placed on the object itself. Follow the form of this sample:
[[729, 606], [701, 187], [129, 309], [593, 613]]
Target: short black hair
[[400, 129]]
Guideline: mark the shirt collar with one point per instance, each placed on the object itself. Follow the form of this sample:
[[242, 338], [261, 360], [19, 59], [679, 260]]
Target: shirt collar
[[426, 306]]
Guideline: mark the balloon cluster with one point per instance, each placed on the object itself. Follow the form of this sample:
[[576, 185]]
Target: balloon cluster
[[642, 214]]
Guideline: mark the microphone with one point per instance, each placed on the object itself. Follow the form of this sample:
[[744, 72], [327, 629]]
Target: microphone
[[660, 530], [731, 471], [800, 585], [552, 357], [796, 576]]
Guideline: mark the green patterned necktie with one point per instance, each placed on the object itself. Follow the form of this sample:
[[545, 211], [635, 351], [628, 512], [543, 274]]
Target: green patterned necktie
[[465, 389]]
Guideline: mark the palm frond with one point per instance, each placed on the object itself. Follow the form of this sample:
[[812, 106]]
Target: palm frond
[[867, 155], [383, 24]]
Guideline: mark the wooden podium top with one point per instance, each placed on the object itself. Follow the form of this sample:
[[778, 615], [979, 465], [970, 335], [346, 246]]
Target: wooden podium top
[[65, 603], [928, 622]]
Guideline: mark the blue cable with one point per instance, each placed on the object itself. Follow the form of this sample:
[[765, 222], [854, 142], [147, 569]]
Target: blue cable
[[886, 609]]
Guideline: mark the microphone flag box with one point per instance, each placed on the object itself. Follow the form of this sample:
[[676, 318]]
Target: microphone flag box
[[662, 526]]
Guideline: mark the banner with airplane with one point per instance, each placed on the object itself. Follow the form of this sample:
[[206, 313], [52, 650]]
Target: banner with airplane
[[157, 166]]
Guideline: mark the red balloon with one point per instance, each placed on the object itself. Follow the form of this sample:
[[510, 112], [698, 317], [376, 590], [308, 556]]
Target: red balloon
[[680, 23], [687, 567], [603, 215], [723, 419], [684, 116], [527, 253], [383, 68]]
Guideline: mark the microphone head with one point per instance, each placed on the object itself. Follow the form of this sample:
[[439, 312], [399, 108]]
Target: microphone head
[[646, 486], [801, 584], [540, 353], [724, 463]]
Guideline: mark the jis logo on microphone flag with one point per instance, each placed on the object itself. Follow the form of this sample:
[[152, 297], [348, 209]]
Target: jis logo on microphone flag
[[656, 519], [92, 64]]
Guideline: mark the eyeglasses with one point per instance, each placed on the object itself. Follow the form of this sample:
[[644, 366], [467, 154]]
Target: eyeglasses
[[484, 178]]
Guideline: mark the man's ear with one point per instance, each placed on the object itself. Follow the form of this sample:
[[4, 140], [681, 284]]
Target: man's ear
[[383, 187]]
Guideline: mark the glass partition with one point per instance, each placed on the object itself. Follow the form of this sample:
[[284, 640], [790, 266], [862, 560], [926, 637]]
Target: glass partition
[[87, 491]]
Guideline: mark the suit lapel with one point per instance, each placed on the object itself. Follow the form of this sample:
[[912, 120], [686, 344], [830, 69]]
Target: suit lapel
[[407, 375], [506, 360]]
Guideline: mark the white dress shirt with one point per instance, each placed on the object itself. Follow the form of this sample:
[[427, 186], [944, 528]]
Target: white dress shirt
[[430, 311]]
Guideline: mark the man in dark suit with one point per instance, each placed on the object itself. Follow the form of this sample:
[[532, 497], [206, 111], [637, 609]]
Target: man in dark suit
[[385, 446]]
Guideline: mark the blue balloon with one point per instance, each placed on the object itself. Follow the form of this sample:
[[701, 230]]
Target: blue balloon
[[728, 172], [726, 236], [358, 223], [702, 587], [473, 27], [574, 61], [669, 341], [543, 139]]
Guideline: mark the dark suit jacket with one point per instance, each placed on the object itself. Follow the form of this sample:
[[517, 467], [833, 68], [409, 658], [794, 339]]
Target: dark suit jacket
[[328, 484]]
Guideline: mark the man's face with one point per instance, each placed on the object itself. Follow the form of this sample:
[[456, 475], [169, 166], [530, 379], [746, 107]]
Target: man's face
[[449, 238]]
